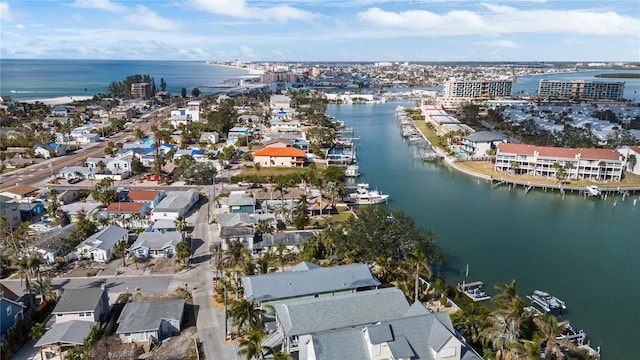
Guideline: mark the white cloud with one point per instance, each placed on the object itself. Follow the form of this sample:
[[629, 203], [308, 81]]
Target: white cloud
[[240, 9], [501, 19], [147, 18], [5, 12], [501, 43], [247, 52], [106, 5], [19, 26]]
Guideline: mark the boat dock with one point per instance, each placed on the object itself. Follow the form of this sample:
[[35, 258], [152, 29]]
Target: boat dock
[[474, 290], [563, 188]]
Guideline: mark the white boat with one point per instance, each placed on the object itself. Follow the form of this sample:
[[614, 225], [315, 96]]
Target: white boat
[[547, 301], [352, 171], [364, 196], [593, 191]]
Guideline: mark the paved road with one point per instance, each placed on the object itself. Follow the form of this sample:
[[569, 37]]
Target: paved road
[[209, 321]]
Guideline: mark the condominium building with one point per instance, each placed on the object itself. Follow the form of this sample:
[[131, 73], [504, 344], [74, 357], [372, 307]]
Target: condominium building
[[140, 90], [556, 162], [477, 89], [580, 90]]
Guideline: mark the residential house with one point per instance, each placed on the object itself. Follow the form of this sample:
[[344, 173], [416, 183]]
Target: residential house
[[279, 103], [307, 280], [279, 143], [274, 157], [193, 109], [150, 197], [163, 225], [237, 132], [127, 211], [10, 210], [241, 202], [11, 311], [176, 203], [591, 164], [236, 227], [292, 240], [49, 244], [121, 165], [150, 320], [180, 117], [74, 209], [416, 335], [155, 245], [478, 144], [20, 192], [210, 137], [31, 211], [64, 196], [62, 337], [60, 110], [99, 246], [76, 172], [296, 319], [85, 304], [50, 150]]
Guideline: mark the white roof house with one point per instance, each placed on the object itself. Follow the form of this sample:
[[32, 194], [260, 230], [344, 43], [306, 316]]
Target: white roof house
[[176, 203]]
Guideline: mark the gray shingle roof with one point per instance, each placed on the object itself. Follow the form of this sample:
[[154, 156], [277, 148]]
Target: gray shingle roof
[[289, 238], [241, 199], [76, 300], [70, 332], [341, 344], [401, 349], [157, 241], [291, 284], [106, 238], [147, 316], [175, 200], [335, 312]]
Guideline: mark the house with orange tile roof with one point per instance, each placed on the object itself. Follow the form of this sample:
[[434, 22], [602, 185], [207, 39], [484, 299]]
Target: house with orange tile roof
[[279, 157], [149, 197], [576, 163]]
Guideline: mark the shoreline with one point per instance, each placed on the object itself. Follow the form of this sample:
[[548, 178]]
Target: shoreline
[[58, 100], [251, 71]]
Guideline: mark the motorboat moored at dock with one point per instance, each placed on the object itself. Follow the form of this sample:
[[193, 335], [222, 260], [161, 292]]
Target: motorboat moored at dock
[[546, 301], [365, 196], [352, 171], [474, 290]]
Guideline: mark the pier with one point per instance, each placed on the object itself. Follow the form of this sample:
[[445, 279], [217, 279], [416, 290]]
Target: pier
[[474, 290], [563, 188]]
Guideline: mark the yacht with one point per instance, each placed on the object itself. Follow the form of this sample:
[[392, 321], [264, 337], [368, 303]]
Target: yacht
[[352, 171], [547, 301], [365, 196]]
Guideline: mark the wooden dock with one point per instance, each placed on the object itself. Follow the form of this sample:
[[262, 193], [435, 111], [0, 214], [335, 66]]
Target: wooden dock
[[474, 290], [563, 188]]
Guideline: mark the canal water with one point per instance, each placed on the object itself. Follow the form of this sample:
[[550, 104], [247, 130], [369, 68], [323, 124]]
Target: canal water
[[585, 251]]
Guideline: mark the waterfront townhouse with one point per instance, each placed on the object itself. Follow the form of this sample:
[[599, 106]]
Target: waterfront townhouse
[[480, 143], [555, 162]]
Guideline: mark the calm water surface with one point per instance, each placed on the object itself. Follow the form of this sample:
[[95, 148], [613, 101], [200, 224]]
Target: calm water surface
[[584, 251]]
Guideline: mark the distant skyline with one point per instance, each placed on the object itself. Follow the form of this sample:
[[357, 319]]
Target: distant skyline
[[319, 30]]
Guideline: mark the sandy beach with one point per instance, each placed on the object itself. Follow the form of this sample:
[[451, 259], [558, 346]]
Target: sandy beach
[[60, 100]]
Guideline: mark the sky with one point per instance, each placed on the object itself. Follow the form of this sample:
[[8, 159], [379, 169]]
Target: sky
[[322, 30]]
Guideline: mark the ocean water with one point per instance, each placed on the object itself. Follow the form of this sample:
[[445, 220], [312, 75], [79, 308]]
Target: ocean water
[[38, 79]]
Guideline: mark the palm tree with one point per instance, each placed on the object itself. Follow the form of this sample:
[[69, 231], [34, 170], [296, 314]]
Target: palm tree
[[180, 223], [550, 329], [632, 159], [245, 314], [251, 345], [120, 250], [280, 187], [43, 288], [569, 166], [419, 263], [601, 166]]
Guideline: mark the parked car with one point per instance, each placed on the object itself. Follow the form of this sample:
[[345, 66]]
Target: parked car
[[74, 180]]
